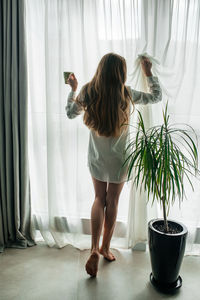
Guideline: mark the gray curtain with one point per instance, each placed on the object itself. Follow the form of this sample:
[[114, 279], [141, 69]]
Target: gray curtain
[[15, 205]]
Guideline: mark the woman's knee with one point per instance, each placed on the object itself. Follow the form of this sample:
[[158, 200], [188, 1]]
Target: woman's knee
[[101, 199], [112, 200]]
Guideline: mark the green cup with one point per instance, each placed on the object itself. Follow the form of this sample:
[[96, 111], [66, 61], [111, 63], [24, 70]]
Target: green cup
[[66, 75]]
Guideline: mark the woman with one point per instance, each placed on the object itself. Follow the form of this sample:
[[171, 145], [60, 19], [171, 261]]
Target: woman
[[106, 103]]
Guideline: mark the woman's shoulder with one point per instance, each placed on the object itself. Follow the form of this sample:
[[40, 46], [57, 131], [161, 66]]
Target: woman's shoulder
[[83, 89], [128, 87], [83, 93]]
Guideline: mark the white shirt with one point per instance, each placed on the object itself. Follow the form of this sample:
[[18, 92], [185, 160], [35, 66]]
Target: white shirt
[[106, 154]]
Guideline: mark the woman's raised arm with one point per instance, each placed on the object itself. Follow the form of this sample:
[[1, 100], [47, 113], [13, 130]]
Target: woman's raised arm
[[73, 107], [155, 94]]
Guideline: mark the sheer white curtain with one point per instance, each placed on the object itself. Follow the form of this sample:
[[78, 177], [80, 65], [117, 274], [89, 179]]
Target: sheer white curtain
[[73, 36]]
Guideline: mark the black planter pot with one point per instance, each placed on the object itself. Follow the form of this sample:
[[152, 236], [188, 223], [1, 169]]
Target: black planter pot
[[166, 254]]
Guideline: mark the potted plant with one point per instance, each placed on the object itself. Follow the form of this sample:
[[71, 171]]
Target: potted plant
[[161, 158]]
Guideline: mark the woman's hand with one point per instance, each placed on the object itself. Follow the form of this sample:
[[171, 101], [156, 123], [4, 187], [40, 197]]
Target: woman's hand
[[72, 81], [146, 66]]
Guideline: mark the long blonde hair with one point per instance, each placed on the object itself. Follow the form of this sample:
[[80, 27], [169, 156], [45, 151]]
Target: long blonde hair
[[106, 99]]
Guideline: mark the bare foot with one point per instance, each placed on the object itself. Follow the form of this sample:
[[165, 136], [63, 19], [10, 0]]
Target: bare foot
[[92, 263], [107, 254]]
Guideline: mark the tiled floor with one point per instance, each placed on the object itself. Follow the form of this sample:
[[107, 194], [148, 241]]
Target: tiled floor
[[45, 273]]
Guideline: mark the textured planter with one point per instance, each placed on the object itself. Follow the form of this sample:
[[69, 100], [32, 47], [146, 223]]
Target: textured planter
[[166, 254]]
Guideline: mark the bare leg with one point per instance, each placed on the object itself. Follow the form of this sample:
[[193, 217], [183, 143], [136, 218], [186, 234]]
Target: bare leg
[[97, 218], [112, 200]]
